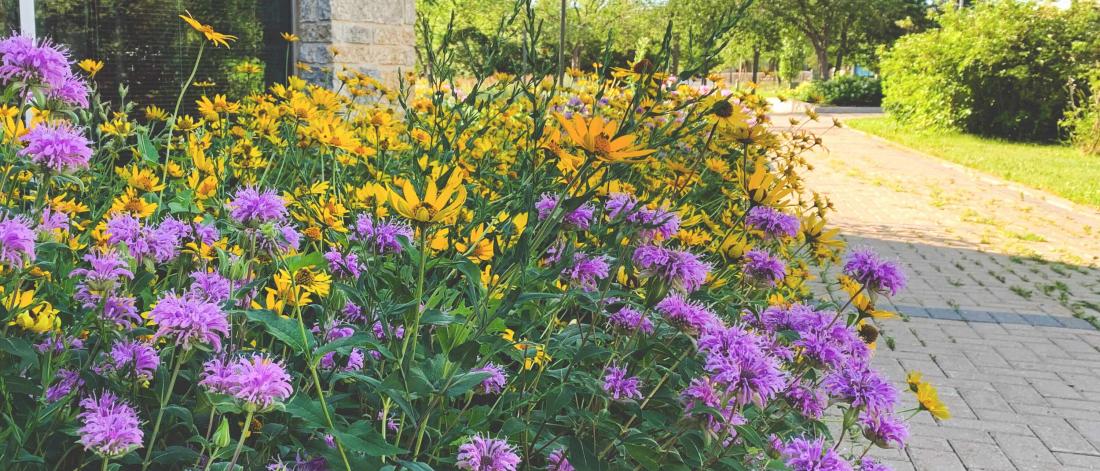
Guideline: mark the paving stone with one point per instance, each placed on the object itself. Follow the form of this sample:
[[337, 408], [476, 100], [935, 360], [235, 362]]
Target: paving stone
[[981, 456], [1024, 449], [926, 459], [1063, 437]]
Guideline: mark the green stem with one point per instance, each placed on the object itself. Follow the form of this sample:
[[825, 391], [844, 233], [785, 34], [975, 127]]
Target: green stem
[[317, 385], [104, 467], [175, 117], [160, 412], [240, 442]]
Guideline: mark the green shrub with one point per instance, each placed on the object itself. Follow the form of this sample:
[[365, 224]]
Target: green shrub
[[845, 90], [998, 68], [1082, 122]]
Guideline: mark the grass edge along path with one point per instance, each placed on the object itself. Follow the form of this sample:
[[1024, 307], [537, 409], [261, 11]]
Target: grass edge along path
[[1058, 169]]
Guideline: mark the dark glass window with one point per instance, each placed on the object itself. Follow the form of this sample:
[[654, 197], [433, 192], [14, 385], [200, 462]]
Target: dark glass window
[[146, 46]]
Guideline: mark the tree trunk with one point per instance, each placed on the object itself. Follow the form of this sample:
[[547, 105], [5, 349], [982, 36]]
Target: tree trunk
[[822, 53], [755, 63]]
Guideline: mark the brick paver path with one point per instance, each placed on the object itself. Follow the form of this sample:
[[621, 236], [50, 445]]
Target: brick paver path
[[996, 276]]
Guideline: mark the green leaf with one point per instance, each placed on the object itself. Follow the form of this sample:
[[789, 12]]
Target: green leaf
[[22, 349], [346, 344], [363, 438], [285, 329], [414, 465], [312, 259], [464, 382], [146, 148], [307, 409]]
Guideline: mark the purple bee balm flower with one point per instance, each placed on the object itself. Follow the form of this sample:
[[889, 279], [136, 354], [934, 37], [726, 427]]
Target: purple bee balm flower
[[869, 464], [653, 223], [53, 220], [24, 59], [763, 269], [165, 240], [861, 386], [123, 228], [873, 273], [750, 377], [380, 236], [252, 206], [65, 381], [16, 241], [487, 454], [132, 357], [190, 321], [343, 265], [301, 463], [556, 461], [588, 270], [121, 309], [111, 427], [804, 454], [107, 269], [688, 314], [494, 384], [210, 286], [580, 218], [773, 223], [58, 146], [811, 403], [257, 380], [884, 430], [356, 360], [71, 90], [700, 393], [619, 385], [630, 320], [681, 268]]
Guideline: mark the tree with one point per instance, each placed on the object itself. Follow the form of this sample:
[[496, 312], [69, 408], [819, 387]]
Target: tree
[[838, 26]]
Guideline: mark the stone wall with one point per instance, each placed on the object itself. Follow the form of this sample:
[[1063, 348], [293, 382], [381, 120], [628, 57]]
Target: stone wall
[[376, 37]]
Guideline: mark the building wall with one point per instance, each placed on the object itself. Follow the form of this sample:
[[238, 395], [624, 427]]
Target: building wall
[[376, 37]]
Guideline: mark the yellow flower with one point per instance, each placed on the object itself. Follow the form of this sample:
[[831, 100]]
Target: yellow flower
[[435, 206], [539, 358], [315, 282], [155, 113], [91, 66], [597, 136], [930, 401], [215, 37], [117, 127], [478, 246], [914, 379], [186, 123], [248, 68], [131, 202], [210, 109], [39, 319], [140, 178], [290, 37]]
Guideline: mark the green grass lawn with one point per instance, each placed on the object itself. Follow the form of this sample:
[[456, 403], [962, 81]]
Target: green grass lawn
[[1058, 169]]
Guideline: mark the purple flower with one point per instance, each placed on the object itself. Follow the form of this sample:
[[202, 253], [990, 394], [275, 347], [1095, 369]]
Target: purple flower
[[873, 273], [631, 320], [803, 454], [811, 403], [737, 361], [123, 228], [110, 427], [58, 146], [107, 270], [619, 385], [356, 360], [343, 265], [382, 236], [861, 386], [869, 464], [763, 269], [210, 286], [687, 314], [700, 393], [53, 220], [65, 381], [487, 454], [653, 223], [252, 206], [71, 89], [556, 461], [494, 383], [121, 309], [16, 241], [580, 218], [257, 380], [190, 320], [773, 223], [588, 270], [884, 430], [24, 59], [132, 357], [300, 463], [681, 268]]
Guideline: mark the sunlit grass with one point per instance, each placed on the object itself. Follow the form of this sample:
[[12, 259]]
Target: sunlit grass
[[1058, 169]]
